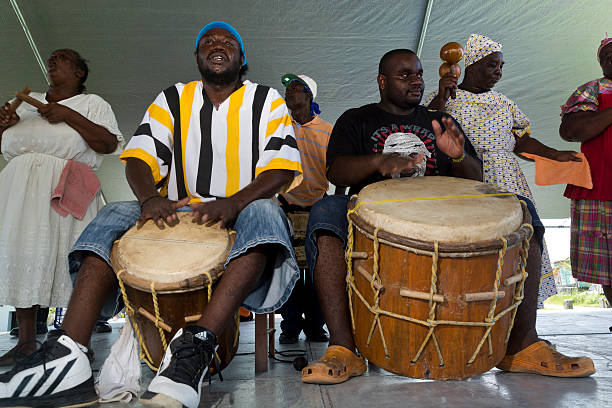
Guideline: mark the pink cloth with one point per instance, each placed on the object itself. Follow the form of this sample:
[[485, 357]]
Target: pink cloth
[[77, 187]]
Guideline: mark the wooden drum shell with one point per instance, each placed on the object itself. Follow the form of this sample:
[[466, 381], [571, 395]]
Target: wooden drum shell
[[179, 304], [173, 308], [404, 269]]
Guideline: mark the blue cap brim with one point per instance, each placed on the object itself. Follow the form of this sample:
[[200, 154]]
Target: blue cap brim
[[225, 26]]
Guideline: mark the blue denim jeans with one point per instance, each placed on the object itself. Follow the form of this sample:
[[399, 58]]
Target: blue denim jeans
[[329, 214], [259, 223]]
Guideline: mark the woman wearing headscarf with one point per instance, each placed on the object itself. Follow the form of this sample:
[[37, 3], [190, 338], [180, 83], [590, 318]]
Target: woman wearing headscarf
[[499, 131], [587, 118], [51, 152], [497, 128]]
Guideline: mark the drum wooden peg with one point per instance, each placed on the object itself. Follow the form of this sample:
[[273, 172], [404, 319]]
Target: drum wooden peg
[[414, 294], [451, 53], [142, 311], [477, 297], [363, 272], [514, 278], [359, 255]]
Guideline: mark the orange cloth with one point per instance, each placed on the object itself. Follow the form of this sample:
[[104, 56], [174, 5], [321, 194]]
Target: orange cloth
[[550, 172], [77, 187]]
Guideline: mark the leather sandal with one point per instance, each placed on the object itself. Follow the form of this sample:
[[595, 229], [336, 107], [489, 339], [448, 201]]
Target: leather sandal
[[337, 365], [541, 358]]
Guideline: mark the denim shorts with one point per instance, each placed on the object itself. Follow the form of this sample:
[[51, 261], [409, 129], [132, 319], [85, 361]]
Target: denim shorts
[[329, 214], [259, 223]]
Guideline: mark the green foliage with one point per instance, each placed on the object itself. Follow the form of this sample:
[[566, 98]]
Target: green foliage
[[582, 298]]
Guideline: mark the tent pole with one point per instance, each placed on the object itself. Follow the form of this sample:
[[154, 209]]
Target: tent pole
[[26, 30], [424, 27]]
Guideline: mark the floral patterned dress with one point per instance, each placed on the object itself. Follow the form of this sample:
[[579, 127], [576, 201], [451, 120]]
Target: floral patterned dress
[[492, 121]]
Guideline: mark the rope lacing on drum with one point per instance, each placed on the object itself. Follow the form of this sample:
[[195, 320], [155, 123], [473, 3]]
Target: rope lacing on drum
[[145, 355], [144, 352], [431, 322], [520, 287], [377, 290]]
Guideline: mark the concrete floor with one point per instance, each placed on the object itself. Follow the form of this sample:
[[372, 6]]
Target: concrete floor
[[574, 332]]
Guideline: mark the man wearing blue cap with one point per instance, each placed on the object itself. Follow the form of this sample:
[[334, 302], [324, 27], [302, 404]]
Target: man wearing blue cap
[[224, 147]]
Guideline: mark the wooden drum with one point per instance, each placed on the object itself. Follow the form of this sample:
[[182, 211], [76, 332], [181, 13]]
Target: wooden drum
[[167, 277], [436, 267]]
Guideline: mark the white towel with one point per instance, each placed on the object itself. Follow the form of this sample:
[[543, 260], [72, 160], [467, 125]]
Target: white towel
[[119, 379]]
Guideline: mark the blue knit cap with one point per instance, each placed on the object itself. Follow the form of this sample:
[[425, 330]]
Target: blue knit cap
[[225, 26]]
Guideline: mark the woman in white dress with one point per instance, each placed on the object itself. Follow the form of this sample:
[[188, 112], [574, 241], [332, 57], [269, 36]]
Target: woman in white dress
[[38, 143]]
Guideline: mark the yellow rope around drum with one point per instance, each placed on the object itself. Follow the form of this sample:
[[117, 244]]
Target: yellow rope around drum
[[144, 352], [431, 322], [350, 280], [520, 286], [491, 314], [162, 335]]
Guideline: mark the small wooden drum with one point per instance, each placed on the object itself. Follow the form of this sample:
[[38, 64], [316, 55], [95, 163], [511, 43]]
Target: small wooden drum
[[436, 267], [167, 277]]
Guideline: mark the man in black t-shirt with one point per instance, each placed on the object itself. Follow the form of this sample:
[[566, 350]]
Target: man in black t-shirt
[[392, 138], [397, 137]]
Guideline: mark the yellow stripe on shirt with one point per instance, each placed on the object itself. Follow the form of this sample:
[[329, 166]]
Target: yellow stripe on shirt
[[232, 159], [186, 102], [275, 123], [276, 103], [162, 116], [145, 157], [279, 164]]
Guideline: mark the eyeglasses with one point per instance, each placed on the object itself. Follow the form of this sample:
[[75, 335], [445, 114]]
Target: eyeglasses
[[407, 76]]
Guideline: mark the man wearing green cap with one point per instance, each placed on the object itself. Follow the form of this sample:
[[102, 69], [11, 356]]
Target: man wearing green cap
[[223, 147], [312, 135]]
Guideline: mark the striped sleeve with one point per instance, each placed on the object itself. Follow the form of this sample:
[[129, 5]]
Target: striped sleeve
[[152, 141], [279, 148]]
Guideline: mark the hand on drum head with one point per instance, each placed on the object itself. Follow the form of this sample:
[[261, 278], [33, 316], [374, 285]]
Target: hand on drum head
[[451, 141], [391, 165], [6, 120], [224, 210], [160, 210]]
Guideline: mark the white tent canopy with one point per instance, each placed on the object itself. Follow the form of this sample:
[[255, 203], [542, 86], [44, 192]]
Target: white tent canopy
[[137, 48]]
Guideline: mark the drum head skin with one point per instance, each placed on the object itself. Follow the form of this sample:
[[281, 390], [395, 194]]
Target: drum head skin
[[436, 209], [173, 254]]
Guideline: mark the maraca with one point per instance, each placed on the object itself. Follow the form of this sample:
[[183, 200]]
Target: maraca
[[451, 53]]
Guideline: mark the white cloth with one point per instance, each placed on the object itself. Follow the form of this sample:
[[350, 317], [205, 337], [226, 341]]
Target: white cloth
[[119, 379], [34, 239]]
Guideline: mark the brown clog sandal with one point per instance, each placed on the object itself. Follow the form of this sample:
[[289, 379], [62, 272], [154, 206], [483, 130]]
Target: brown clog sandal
[[541, 358], [337, 365]]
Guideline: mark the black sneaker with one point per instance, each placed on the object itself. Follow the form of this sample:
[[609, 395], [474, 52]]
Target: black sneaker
[[56, 375], [179, 379]]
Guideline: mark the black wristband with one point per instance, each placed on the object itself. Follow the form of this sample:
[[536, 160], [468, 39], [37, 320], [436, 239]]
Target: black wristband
[[148, 199]]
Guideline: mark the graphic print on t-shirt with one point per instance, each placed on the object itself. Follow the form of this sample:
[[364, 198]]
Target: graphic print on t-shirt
[[405, 140]]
